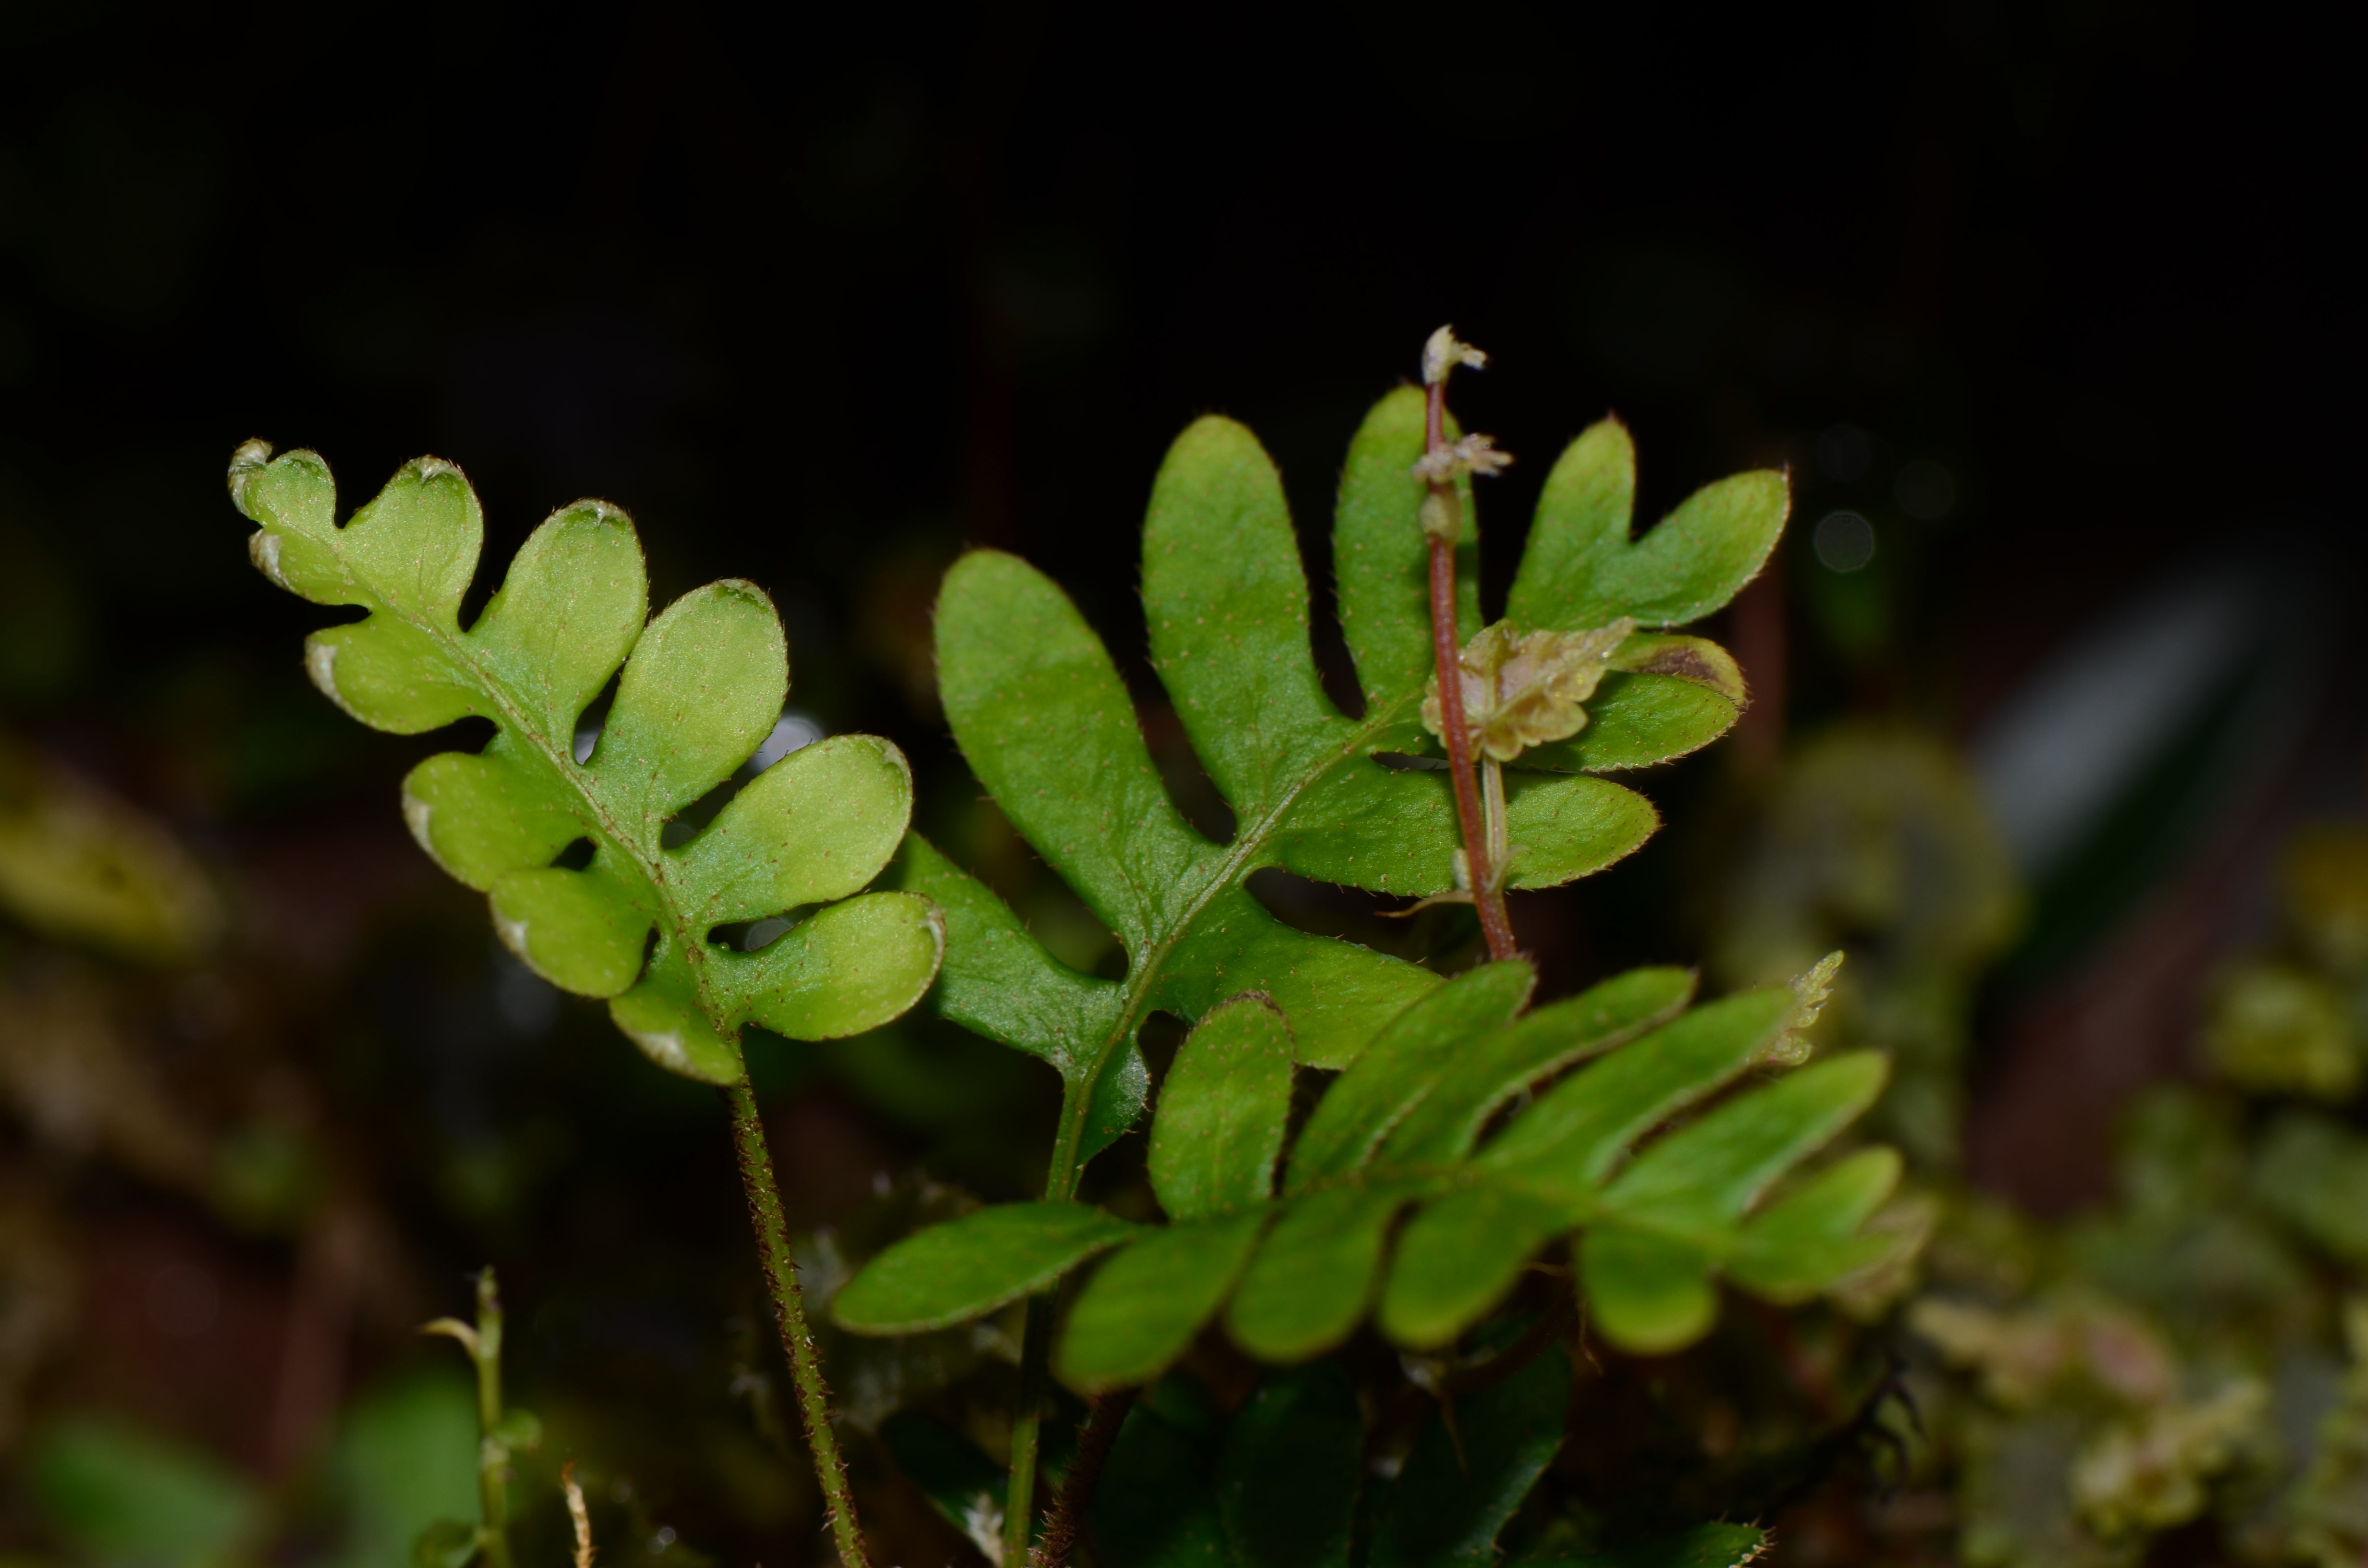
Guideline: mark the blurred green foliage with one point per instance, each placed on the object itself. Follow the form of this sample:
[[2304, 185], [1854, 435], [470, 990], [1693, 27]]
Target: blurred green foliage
[[1874, 841], [119, 1498], [79, 866], [404, 1458], [2190, 1355]]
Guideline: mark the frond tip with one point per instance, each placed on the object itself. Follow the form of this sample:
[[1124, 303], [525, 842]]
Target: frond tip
[[1443, 352], [699, 688]]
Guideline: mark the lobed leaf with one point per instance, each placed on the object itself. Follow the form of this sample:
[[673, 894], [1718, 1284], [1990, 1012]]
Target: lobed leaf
[[1229, 621], [814, 828], [849, 967], [1582, 569], [1141, 1308], [1041, 712], [1311, 1281], [698, 689], [1713, 1170], [1459, 1257], [969, 1266], [1802, 1244], [568, 613], [1666, 696], [1570, 1139], [1445, 1124], [581, 930], [1048, 729], [1045, 720], [1402, 1065], [480, 816], [699, 694], [1650, 1293], [1221, 1112], [1660, 1214]]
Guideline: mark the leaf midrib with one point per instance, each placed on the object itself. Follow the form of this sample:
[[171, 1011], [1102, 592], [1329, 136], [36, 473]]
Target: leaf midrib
[[1224, 871], [1431, 1184], [562, 760]]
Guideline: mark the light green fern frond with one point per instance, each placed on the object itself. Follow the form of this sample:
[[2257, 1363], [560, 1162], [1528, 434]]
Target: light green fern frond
[[701, 686]]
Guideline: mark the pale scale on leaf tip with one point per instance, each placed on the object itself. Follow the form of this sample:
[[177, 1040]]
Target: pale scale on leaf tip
[[1443, 352], [263, 549], [321, 665], [417, 814], [664, 1049]]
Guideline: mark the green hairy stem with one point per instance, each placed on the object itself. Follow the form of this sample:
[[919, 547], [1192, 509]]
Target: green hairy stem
[[790, 1317]]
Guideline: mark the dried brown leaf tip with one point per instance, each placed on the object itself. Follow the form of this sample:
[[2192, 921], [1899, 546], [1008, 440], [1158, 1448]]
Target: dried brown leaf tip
[[1527, 690]]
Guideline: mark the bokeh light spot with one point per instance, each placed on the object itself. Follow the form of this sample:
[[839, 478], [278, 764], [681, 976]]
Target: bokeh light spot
[[1844, 541]]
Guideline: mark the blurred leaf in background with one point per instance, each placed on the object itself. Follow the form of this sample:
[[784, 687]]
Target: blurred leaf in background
[[1876, 841], [119, 1497], [80, 866], [405, 1455], [2178, 1357], [44, 631]]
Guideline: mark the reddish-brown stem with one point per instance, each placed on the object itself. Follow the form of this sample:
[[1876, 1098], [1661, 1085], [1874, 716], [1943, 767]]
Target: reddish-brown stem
[[1068, 1513], [1486, 897]]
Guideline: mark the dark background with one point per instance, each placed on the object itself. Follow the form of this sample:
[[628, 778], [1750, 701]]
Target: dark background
[[823, 294], [808, 289]]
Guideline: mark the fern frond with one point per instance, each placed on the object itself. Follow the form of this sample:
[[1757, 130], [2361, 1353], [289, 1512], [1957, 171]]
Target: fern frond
[[1046, 723], [700, 687], [1659, 1213]]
